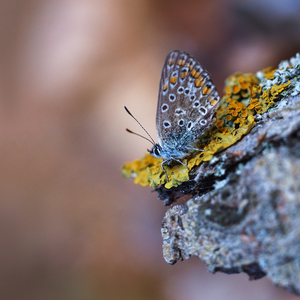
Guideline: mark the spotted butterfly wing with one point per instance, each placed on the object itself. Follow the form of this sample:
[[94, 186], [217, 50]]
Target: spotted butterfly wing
[[187, 102]]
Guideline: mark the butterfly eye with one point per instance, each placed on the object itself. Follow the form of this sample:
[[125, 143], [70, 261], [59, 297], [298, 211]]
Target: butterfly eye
[[156, 151]]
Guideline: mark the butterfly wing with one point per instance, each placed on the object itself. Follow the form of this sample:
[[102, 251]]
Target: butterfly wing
[[187, 101]]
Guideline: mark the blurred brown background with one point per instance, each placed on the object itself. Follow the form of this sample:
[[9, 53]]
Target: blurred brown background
[[70, 226]]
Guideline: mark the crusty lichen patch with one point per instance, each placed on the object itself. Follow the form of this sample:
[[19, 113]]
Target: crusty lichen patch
[[245, 96]]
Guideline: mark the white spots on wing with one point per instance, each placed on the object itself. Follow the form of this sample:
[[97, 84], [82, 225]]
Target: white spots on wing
[[204, 74], [192, 97], [203, 110], [179, 111], [183, 74], [203, 122], [188, 97], [165, 88], [186, 91], [207, 88], [180, 90], [190, 63], [196, 104], [182, 57], [215, 95], [166, 124], [164, 107], [189, 125], [172, 97], [172, 59], [198, 68], [174, 74], [181, 122]]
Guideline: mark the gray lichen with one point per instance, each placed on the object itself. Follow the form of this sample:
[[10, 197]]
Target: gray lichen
[[244, 215]]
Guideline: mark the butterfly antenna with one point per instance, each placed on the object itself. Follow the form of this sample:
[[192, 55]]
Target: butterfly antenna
[[128, 130], [151, 139]]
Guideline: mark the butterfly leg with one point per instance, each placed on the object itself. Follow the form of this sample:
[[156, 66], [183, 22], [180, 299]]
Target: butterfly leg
[[181, 162], [162, 166], [167, 161], [195, 149]]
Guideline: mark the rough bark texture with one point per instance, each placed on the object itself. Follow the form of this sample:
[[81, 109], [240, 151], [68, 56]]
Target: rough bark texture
[[244, 216]]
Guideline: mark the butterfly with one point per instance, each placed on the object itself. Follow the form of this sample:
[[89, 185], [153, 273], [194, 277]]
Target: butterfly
[[187, 101]]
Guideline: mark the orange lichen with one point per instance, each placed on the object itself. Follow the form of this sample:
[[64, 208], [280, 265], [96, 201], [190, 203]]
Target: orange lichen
[[262, 101], [236, 89], [269, 73], [239, 86], [235, 117]]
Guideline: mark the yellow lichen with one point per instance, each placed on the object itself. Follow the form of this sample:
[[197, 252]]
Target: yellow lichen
[[269, 72], [235, 117], [239, 86], [262, 101], [137, 169]]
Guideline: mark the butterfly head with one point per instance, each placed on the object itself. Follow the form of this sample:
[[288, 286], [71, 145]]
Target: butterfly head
[[156, 150], [168, 154]]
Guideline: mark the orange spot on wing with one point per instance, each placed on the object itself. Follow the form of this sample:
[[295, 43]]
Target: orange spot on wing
[[183, 75], [173, 79], [180, 63], [199, 81], [206, 90], [171, 62], [165, 87]]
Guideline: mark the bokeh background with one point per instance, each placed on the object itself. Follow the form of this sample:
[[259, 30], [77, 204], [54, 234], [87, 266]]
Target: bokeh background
[[70, 226]]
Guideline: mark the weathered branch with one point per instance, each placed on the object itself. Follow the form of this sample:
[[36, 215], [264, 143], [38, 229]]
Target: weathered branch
[[244, 216]]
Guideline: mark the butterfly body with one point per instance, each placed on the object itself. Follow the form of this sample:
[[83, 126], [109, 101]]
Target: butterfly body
[[187, 101], [168, 154]]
